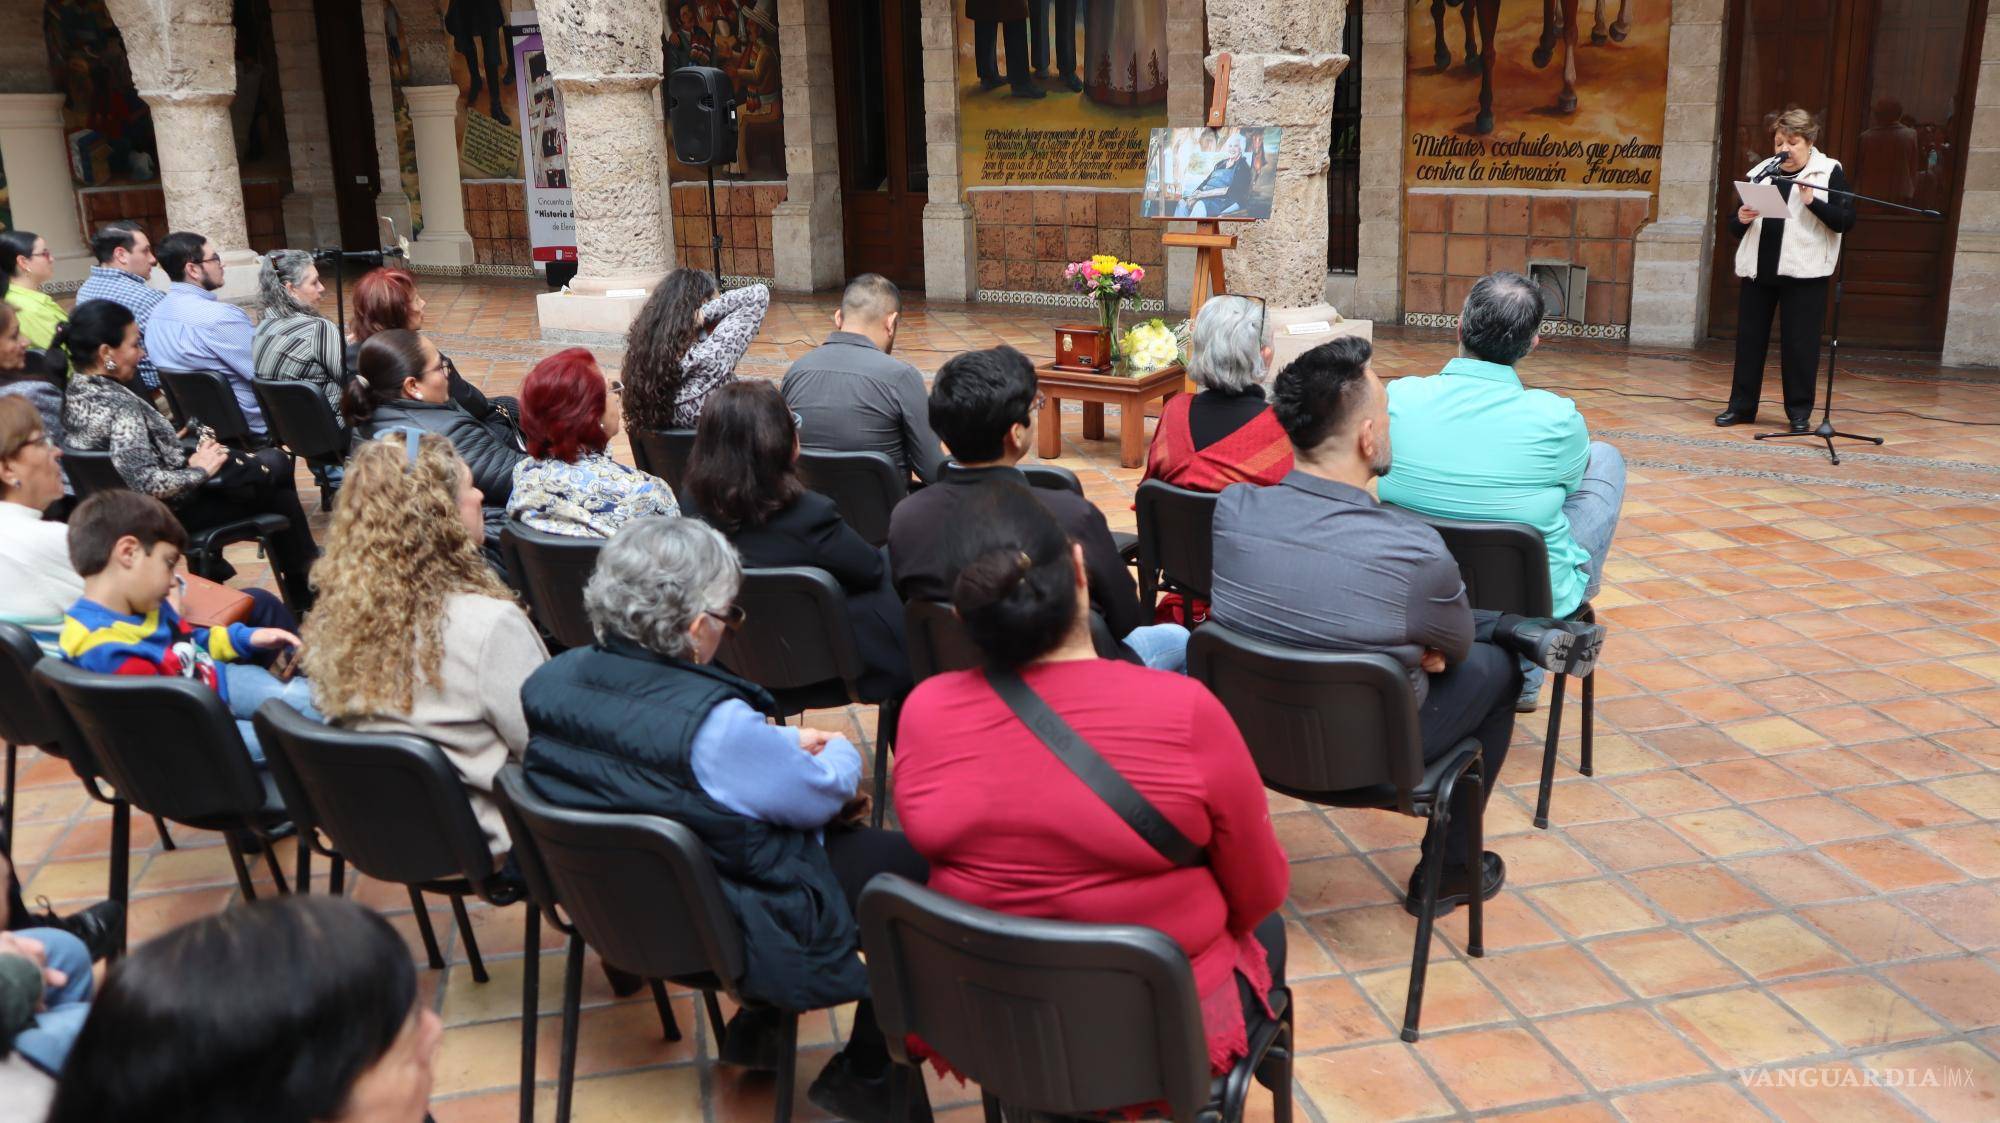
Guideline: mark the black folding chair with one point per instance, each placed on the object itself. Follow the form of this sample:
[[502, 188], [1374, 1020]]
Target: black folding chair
[[205, 395], [22, 719], [642, 891], [797, 642], [663, 453], [1053, 1016], [1176, 544], [551, 570], [169, 747], [936, 640], [1506, 569], [1054, 477], [1341, 730], [865, 486]]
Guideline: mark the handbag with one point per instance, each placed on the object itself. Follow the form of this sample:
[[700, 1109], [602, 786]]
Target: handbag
[[211, 604], [1106, 782]]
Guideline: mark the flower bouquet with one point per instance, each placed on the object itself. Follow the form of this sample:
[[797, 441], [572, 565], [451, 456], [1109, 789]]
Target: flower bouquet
[[1111, 283], [1150, 346]]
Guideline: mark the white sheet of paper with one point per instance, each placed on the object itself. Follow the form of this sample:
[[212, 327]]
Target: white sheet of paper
[[1764, 198]]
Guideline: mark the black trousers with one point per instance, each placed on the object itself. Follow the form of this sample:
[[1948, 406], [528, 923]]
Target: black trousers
[[295, 549], [857, 855], [1474, 698], [983, 36], [1064, 28], [1800, 304]]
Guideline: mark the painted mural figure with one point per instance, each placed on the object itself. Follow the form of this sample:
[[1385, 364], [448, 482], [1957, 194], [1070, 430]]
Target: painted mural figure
[[475, 27], [988, 18], [1062, 28]]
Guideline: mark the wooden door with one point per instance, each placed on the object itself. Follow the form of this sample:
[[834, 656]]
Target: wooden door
[[350, 122], [878, 99], [1893, 83]]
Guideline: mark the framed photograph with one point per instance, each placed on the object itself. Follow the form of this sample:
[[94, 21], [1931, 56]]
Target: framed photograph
[[1227, 174]]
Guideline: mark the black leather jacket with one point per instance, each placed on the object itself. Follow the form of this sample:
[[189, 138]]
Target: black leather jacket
[[491, 459]]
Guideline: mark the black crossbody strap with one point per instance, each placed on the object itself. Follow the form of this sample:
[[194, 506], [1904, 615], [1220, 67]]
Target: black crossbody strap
[[1096, 772]]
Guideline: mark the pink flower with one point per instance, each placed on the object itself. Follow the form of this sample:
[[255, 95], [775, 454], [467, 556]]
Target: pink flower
[[1138, 273]]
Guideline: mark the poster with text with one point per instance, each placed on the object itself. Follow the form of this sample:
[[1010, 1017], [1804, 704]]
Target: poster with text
[[551, 212], [1060, 92], [1522, 123], [739, 37]]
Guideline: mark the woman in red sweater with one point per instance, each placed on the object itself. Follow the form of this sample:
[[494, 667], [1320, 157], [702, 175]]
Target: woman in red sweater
[[1006, 826]]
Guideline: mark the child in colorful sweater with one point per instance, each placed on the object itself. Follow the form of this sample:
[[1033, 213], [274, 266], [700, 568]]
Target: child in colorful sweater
[[126, 546]]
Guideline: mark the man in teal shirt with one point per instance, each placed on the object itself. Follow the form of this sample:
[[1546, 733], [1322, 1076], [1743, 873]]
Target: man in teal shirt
[[1472, 443]]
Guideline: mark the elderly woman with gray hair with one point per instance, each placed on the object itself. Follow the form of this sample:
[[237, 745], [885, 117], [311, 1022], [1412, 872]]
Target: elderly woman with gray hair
[[293, 341], [644, 722]]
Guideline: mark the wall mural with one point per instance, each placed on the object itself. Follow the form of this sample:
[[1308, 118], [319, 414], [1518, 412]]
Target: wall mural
[[740, 37], [489, 146]]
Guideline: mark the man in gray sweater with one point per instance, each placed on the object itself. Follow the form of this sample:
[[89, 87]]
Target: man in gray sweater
[[852, 396]]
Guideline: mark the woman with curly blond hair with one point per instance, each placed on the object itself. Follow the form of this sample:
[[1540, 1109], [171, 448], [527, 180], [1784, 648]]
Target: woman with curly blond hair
[[412, 632]]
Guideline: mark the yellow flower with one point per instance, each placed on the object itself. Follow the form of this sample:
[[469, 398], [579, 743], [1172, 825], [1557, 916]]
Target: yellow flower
[[1105, 262]]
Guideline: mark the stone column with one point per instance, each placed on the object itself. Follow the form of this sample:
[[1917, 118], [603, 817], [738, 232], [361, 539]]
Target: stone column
[[806, 238], [1972, 324], [1187, 107], [1378, 274], [445, 244], [312, 211], [606, 61], [391, 201], [951, 270], [1670, 255], [39, 190]]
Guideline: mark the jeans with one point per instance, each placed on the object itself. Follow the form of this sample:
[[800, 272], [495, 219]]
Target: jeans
[[250, 686], [47, 1042], [1592, 511], [1162, 647]]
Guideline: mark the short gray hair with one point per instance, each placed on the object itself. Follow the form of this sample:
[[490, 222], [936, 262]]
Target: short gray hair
[[281, 268], [1502, 313], [1226, 344], [655, 577]]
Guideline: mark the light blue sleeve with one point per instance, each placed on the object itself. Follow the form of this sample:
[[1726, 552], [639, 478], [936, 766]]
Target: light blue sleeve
[[1569, 439], [757, 769], [233, 346]]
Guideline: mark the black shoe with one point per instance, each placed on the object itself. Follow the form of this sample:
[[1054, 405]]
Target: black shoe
[[1730, 417], [992, 83], [1029, 91], [1801, 424], [97, 926], [1567, 647], [1073, 82], [840, 1090], [1455, 887], [751, 1039]]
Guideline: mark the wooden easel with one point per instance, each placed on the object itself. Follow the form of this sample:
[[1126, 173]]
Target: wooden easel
[[1207, 240]]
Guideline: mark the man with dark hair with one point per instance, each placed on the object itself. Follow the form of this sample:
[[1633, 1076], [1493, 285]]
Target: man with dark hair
[[1315, 562], [192, 330], [852, 397], [1473, 443], [124, 264], [983, 404]]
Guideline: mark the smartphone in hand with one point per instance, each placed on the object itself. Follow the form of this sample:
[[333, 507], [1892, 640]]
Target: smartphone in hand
[[286, 666]]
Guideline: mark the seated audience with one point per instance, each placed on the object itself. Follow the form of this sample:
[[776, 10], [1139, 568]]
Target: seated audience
[[852, 397], [27, 265], [22, 379], [124, 266], [208, 487], [193, 330], [176, 1036], [387, 300], [1472, 443], [743, 480], [1315, 562], [983, 404], [403, 383], [572, 485], [412, 633], [643, 722], [1005, 825], [45, 984], [685, 343], [293, 341]]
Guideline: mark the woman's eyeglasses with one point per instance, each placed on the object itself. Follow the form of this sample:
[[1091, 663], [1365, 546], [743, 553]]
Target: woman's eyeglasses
[[617, 387], [1262, 310], [731, 618]]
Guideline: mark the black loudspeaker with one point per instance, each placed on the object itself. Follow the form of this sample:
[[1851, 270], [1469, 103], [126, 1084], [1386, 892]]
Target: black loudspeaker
[[701, 108]]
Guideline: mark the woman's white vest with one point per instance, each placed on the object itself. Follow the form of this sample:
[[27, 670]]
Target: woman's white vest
[[1808, 249]]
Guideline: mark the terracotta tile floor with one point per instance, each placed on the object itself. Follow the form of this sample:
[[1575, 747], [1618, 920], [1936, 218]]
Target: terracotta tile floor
[[1788, 858]]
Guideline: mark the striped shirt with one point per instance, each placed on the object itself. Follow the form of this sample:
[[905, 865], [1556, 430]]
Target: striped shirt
[[120, 287], [192, 330], [300, 346]]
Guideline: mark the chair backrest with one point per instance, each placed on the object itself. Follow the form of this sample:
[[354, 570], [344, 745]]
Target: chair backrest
[[166, 744], [23, 720], [1054, 477], [1045, 1015], [663, 453], [639, 888], [51, 363], [390, 803], [551, 571], [865, 486], [1176, 538], [795, 632], [1316, 721], [1505, 565], [91, 472], [299, 418], [936, 640], [206, 395]]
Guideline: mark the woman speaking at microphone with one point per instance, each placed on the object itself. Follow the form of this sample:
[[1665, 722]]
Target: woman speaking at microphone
[[1784, 263]]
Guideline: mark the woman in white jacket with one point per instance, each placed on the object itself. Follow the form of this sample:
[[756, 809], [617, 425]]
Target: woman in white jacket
[[1785, 263]]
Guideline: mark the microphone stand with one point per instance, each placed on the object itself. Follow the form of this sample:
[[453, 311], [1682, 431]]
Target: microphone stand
[[1825, 430], [337, 258]]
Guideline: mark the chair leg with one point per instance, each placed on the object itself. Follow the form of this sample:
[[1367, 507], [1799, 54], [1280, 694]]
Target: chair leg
[[424, 928], [572, 997], [1556, 682], [471, 942], [1588, 766], [1474, 795], [1420, 960], [991, 1105], [166, 840], [886, 719], [302, 876], [277, 871], [121, 868], [716, 1026], [531, 1004], [1281, 1096], [788, 1063], [7, 816], [242, 871], [668, 1026], [336, 882]]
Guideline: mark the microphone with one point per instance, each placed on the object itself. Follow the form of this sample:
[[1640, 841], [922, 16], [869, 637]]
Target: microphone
[[1767, 168]]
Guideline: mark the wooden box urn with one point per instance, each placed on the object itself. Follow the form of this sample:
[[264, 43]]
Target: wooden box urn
[[1084, 348]]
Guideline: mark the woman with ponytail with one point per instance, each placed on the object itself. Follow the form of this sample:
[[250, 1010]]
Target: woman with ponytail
[[1007, 826], [27, 265], [402, 382]]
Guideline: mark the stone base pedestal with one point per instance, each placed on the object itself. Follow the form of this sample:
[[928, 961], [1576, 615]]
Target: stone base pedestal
[[1287, 345], [950, 253], [443, 252], [806, 248], [1669, 285], [588, 313]]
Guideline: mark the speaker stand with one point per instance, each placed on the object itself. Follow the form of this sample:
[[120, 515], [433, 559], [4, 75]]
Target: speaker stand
[[714, 232]]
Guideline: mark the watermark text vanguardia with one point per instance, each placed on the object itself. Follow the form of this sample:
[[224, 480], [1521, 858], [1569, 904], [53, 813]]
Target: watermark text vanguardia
[[1844, 1076]]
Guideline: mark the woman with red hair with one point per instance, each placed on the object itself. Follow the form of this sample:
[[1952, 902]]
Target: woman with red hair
[[572, 486], [385, 300]]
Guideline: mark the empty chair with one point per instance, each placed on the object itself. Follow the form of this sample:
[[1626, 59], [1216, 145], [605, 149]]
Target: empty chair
[[865, 486], [663, 453], [1052, 1016], [551, 571], [205, 396], [300, 420], [1176, 543], [937, 640], [1341, 730]]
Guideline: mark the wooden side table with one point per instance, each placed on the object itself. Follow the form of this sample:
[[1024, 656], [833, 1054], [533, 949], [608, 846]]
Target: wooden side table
[[1129, 393]]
